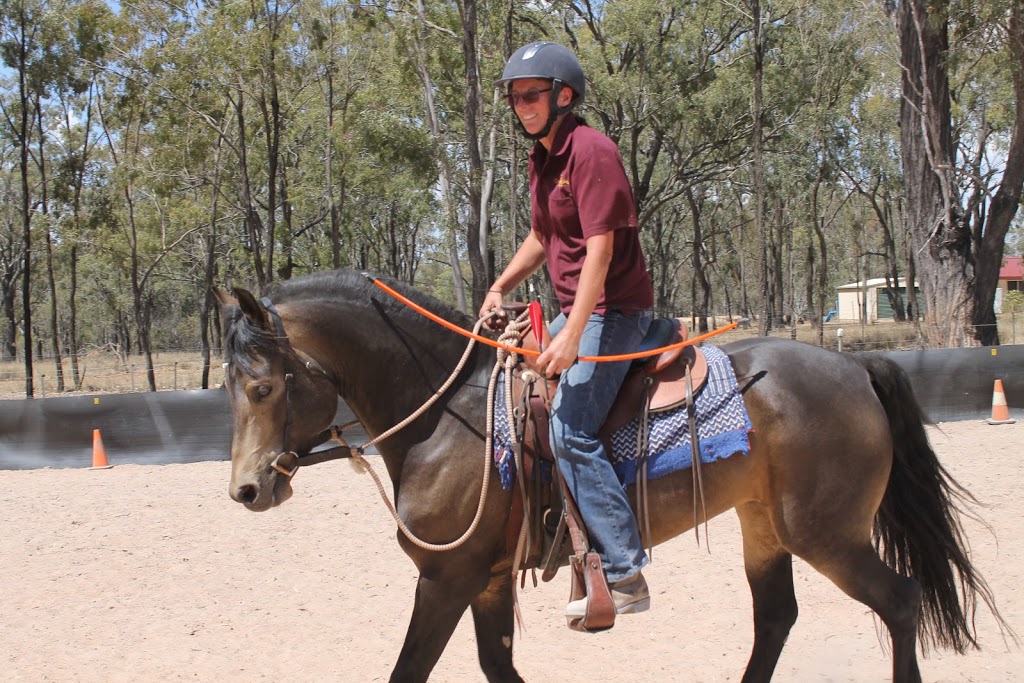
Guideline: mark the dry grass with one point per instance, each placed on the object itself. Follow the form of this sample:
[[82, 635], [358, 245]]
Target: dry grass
[[104, 371], [882, 336]]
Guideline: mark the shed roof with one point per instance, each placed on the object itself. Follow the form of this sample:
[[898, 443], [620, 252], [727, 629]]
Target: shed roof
[[873, 282], [1012, 268]]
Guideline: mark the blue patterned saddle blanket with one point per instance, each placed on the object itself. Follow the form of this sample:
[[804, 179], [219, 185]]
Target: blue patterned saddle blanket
[[723, 426]]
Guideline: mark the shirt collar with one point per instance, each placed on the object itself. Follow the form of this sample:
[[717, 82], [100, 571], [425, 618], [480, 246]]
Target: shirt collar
[[560, 145]]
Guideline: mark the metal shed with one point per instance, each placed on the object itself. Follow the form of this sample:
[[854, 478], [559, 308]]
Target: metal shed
[[853, 295]]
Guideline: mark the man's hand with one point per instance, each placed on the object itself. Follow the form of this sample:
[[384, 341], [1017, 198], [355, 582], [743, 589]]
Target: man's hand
[[560, 354], [492, 302]]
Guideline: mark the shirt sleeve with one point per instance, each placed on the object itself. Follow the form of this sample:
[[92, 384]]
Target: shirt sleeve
[[603, 196]]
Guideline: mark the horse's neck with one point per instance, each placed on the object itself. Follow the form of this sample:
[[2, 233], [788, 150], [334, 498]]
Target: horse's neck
[[387, 367]]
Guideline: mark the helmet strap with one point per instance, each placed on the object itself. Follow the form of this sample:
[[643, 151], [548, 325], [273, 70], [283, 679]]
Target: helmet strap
[[554, 112]]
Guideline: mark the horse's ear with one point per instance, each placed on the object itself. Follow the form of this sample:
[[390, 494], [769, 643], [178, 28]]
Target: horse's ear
[[251, 308], [224, 299]]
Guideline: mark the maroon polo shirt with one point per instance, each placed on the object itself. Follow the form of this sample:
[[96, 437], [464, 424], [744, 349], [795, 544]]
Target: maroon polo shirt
[[577, 190]]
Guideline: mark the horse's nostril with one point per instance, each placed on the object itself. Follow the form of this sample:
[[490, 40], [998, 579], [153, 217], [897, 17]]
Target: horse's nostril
[[246, 494]]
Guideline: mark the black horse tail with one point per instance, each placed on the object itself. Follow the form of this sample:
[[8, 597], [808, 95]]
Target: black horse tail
[[917, 529]]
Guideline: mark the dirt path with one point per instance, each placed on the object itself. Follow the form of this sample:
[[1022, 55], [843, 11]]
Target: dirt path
[[154, 574]]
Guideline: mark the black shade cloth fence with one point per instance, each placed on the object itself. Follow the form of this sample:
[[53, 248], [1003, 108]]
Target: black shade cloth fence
[[191, 426]]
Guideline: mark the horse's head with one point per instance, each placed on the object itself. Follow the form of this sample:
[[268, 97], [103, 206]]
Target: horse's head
[[281, 401]]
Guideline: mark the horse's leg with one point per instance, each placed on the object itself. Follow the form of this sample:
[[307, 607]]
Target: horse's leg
[[861, 574], [493, 618], [439, 606], [769, 569]]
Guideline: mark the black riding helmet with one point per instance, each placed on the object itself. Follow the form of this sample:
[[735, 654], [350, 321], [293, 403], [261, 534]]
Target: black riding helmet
[[546, 60]]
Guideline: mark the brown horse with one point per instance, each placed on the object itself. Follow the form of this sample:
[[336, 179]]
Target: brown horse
[[840, 469]]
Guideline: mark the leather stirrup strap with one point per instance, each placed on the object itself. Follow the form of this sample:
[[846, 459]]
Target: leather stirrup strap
[[588, 579], [698, 477], [553, 561], [643, 446]]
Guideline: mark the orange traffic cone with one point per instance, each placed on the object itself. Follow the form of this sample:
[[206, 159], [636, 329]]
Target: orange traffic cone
[[1000, 412], [99, 454]]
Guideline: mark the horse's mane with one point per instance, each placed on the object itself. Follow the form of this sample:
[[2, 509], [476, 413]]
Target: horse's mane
[[244, 343], [352, 284]]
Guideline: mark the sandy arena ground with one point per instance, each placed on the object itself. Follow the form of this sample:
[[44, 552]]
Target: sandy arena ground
[[154, 574]]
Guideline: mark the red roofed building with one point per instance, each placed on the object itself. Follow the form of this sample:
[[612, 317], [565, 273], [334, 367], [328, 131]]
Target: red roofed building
[[1012, 272], [1011, 278]]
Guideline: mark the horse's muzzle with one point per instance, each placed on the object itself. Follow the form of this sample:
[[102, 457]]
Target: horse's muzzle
[[263, 493]]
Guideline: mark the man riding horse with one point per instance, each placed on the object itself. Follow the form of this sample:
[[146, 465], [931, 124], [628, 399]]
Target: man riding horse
[[584, 226]]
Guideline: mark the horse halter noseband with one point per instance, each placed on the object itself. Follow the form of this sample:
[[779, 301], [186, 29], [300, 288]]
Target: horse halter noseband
[[288, 462]]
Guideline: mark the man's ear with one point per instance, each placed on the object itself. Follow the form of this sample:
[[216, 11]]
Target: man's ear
[[565, 96]]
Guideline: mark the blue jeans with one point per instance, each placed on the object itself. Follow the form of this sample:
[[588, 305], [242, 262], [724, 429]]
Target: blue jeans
[[585, 396]]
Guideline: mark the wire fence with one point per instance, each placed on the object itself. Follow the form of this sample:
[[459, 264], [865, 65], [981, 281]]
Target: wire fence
[[110, 372]]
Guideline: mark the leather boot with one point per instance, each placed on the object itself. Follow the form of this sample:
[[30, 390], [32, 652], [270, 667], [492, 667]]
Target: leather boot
[[630, 596]]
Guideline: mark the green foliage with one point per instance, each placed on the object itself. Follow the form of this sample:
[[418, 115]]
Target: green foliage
[[239, 142], [1013, 302]]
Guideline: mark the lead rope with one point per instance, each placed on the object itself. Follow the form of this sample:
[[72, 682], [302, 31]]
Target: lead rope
[[357, 456]]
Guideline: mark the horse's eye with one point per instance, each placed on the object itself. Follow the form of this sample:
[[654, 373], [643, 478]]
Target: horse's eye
[[260, 391]]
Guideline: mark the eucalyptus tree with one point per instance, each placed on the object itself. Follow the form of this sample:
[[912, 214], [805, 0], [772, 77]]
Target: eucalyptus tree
[[88, 25], [72, 37], [12, 260], [21, 46], [828, 65], [962, 194], [869, 161], [146, 223], [655, 71], [339, 54], [443, 47]]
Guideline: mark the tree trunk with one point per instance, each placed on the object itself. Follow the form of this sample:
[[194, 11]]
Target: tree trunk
[[415, 49], [701, 300], [76, 374], [989, 237], [941, 240], [50, 276], [476, 229], [26, 203], [210, 271], [757, 168], [13, 262], [253, 224]]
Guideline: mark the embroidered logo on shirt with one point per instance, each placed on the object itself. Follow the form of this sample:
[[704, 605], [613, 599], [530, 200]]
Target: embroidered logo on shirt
[[562, 182]]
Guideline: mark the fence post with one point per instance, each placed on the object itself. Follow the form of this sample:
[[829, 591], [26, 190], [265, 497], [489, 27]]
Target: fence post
[[839, 339], [131, 370], [42, 384], [175, 383]]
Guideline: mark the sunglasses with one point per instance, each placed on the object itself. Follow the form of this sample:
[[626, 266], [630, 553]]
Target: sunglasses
[[529, 97]]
